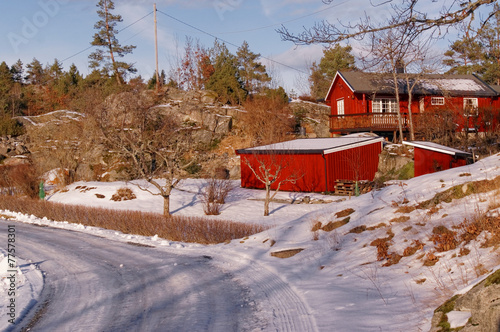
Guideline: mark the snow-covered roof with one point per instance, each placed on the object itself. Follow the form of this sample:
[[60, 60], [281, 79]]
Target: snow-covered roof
[[430, 84], [314, 145], [437, 147]]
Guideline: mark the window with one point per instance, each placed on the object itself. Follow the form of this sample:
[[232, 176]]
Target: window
[[470, 106], [437, 100], [340, 106], [386, 105]]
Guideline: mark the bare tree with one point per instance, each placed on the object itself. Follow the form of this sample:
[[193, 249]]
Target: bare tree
[[153, 143], [273, 169], [411, 12]]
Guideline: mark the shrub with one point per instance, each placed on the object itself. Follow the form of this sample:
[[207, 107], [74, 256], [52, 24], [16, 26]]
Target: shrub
[[10, 126], [214, 195], [123, 194], [19, 180], [185, 229]]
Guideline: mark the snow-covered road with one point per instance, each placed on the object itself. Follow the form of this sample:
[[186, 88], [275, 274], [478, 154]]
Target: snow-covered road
[[97, 284], [94, 284]]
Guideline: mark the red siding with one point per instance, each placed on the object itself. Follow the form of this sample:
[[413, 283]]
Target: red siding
[[308, 169], [427, 161], [353, 102], [358, 163]]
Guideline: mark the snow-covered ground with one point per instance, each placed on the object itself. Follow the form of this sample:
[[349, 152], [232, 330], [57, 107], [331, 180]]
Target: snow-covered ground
[[337, 274]]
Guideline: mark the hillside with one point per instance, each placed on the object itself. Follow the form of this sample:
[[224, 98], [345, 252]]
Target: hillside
[[381, 261]]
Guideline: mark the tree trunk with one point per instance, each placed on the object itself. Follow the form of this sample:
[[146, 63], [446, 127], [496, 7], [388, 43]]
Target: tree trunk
[[266, 201], [166, 205], [410, 117]]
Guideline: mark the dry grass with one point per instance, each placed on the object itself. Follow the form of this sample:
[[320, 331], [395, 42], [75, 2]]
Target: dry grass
[[443, 239], [358, 229], [400, 219], [382, 245], [184, 229], [406, 209], [344, 213], [461, 191], [335, 224], [286, 253], [411, 250]]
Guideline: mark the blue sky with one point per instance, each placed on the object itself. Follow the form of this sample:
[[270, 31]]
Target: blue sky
[[49, 29]]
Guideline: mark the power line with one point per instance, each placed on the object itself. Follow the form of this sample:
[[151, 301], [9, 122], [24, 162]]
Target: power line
[[128, 26], [227, 42], [285, 22]]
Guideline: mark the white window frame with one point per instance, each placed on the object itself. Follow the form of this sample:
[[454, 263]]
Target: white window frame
[[384, 105], [340, 106], [437, 101], [470, 106]]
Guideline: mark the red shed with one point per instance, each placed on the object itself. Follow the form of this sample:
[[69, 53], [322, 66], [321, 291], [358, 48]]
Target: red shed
[[432, 157], [315, 163]]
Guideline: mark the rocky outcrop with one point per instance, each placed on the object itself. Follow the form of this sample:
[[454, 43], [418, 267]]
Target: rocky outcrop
[[13, 151], [395, 163], [482, 303], [314, 118]]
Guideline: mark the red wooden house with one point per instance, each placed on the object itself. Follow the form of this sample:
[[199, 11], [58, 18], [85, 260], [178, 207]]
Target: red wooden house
[[366, 101], [314, 164], [430, 157]]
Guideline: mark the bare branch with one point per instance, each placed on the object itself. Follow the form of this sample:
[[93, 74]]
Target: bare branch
[[325, 32]]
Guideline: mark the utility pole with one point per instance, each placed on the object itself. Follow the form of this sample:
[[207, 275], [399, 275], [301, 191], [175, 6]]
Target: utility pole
[[156, 54]]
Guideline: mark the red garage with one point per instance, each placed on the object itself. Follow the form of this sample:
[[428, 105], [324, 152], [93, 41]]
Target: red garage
[[311, 165], [432, 157]]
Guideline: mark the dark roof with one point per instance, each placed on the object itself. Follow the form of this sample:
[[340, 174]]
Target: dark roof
[[313, 145], [431, 84]]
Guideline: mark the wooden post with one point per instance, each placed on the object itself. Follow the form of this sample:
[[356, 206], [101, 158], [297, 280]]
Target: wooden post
[[156, 53]]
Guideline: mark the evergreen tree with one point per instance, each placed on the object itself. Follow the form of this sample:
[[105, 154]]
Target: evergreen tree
[[490, 37], [465, 56], [35, 73], [6, 84], [225, 80], [252, 72], [108, 46], [334, 59], [152, 80], [17, 72]]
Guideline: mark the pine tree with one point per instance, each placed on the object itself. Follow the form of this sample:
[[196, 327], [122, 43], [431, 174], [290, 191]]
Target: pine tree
[[252, 72], [35, 73], [490, 37], [334, 59], [17, 72], [6, 83], [225, 80], [108, 46]]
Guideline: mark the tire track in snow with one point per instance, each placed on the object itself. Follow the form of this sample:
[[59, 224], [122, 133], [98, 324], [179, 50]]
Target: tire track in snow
[[290, 312]]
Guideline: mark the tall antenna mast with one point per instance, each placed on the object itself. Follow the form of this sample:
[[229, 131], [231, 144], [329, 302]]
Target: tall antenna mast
[[156, 53]]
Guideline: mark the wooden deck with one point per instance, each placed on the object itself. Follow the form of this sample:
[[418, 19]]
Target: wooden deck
[[385, 122]]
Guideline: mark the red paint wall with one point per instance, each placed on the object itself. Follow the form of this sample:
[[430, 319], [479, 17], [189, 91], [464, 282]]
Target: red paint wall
[[427, 161], [308, 169], [353, 102], [359, 163]]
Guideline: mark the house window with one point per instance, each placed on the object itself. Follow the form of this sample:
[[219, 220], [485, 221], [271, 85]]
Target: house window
[[470, 106], [384, 105], [340, 107], [437, 100]]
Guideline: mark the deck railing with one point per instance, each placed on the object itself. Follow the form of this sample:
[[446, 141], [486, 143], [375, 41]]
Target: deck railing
[[367, 122]]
